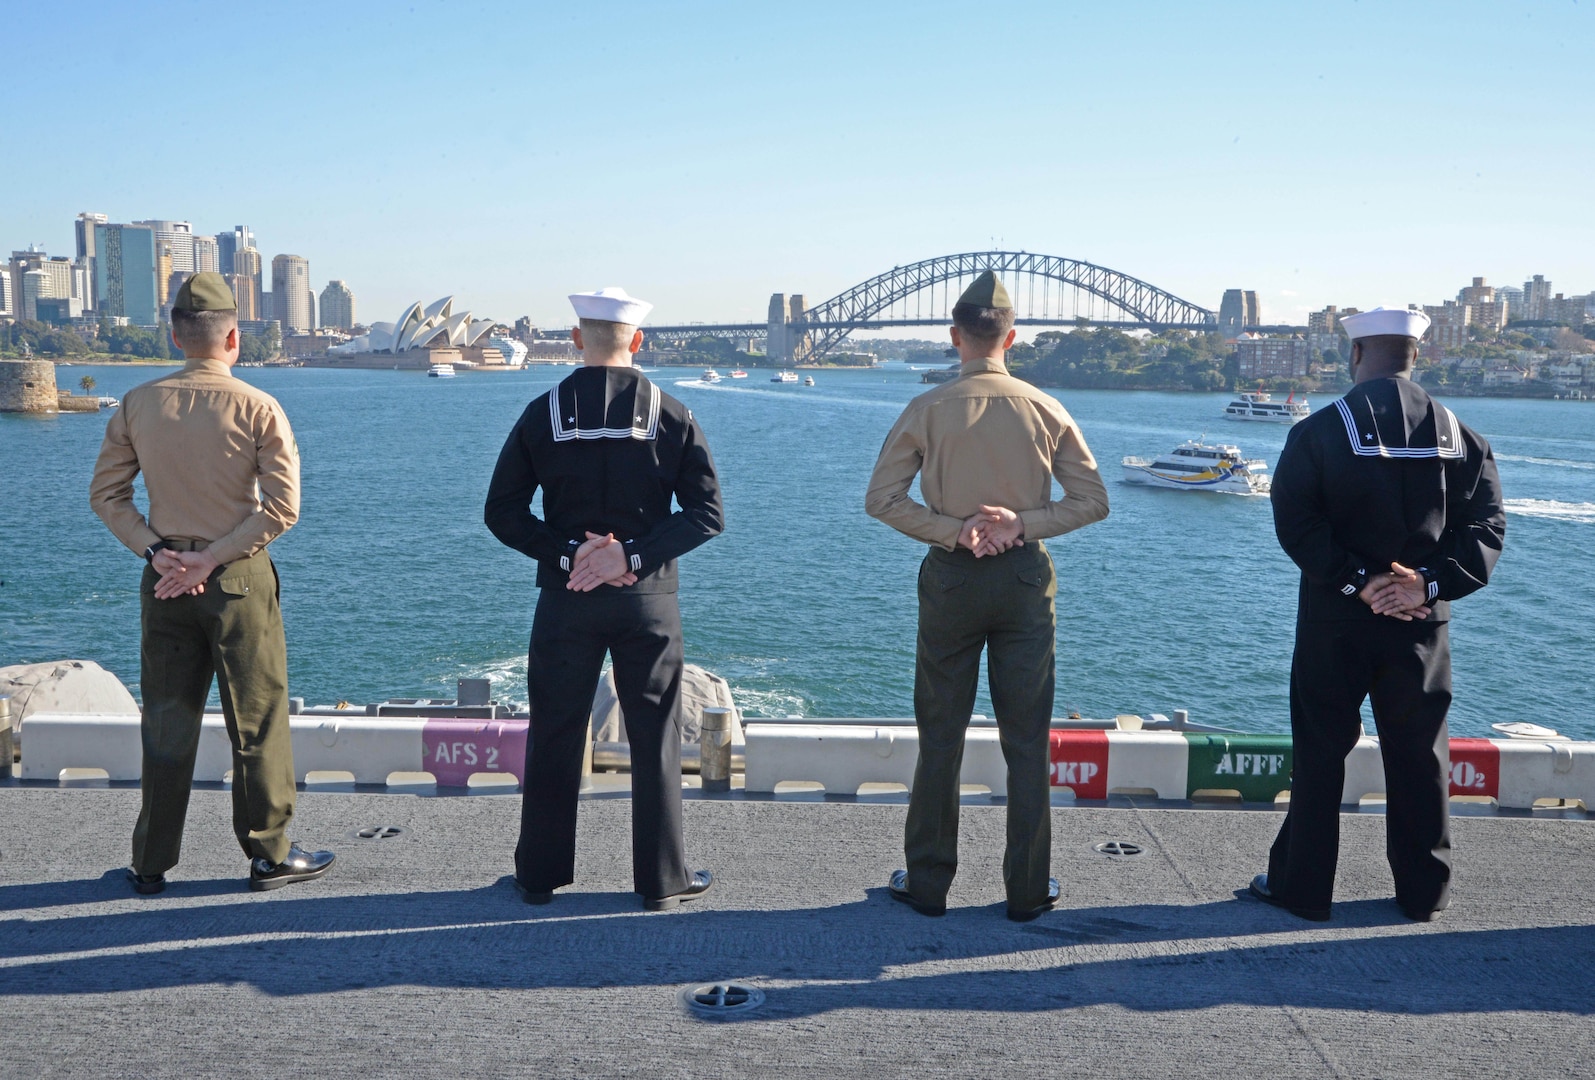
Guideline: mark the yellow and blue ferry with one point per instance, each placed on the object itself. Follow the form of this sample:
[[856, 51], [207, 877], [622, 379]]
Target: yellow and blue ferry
[[1198, 466]]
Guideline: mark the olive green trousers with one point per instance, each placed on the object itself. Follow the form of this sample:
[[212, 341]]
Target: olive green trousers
[[231, 632], [1004, 604]]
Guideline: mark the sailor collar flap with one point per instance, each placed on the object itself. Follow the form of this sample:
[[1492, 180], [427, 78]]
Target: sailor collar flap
[[1434, 433], [608, 406]]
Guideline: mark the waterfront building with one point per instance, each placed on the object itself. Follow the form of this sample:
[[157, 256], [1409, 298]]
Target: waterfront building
[[1448, 325], [84, 231], [207, 254], [290, 292], [408, 341], [1572, 310], [1238, 310], [177, 239], [1261, 357], [124, 273], [5, 294], [1535, 295], [246, 284], [337, 306]]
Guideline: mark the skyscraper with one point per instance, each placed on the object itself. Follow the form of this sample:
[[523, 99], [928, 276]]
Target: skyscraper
[[245, 280], [178, 237], [206, 254], [84, 227], [230, 243], [337, 306], [125, 264], [290, 290]]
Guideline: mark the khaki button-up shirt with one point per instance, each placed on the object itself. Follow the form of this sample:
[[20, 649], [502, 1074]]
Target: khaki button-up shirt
[[219, 462], [986, 437]]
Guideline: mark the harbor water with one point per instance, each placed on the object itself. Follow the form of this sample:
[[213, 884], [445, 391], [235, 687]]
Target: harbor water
[[393, 587]]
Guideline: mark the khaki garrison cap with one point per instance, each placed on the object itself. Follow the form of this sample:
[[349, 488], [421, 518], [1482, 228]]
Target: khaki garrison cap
[[987, 291], [205, 291]]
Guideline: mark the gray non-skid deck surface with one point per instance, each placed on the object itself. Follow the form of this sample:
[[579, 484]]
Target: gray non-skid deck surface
[[415, 957]]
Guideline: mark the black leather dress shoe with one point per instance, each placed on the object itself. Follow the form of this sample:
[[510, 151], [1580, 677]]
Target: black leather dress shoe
[[300, 865], [147, 884], [530, 896], [701, 881], [1026, 914], [899, 889], [1259, 888], [1420, 914]]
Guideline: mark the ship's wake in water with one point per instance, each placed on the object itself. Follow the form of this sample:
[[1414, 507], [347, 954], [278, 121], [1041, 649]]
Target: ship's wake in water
[[1555, 463], [1581, 513]]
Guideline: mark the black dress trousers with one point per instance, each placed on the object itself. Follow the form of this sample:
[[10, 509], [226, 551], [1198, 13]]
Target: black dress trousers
[[571, 632], [1405, 668]]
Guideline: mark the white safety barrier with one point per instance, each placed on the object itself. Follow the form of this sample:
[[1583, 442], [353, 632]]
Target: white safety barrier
[[843, 759], [1543, 770], [1141, 761], [370, 749]]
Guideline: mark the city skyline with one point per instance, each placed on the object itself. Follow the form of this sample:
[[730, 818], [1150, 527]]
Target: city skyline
[[713, 157]]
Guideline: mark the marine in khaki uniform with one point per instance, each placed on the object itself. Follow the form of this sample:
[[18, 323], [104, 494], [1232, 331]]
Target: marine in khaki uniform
[[222, 472], [986, 448]]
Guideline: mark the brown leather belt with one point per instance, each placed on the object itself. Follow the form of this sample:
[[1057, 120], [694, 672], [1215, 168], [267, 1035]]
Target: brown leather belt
[[187, 545]]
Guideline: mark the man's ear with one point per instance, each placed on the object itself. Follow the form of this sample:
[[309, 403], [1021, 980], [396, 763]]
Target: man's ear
[[958, 338], [1007, 342], [576, 336], [232, 342], [636, 342]]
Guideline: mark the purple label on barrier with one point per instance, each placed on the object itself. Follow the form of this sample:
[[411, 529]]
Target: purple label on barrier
[[455, 749]]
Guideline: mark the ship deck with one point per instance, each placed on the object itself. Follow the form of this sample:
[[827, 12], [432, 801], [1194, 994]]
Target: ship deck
[[415, 956]]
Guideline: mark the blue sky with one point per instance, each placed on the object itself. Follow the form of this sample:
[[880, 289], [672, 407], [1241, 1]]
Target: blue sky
[[705, 155]]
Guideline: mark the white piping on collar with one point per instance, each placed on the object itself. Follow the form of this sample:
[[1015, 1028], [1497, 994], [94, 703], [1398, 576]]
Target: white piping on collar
[[563, 432], [1447, 431]]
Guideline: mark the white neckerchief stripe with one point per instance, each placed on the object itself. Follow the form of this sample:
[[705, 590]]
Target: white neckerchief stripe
[[1445, 423], [563, 432]]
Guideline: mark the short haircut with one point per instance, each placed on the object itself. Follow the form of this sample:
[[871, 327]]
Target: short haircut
[[983, 326], [601, 335], [197, 330], [1397, 350]]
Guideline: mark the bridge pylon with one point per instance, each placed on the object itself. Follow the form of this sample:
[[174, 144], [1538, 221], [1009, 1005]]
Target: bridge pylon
[[785, 343]]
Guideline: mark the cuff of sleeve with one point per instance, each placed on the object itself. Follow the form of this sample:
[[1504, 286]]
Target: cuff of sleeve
[[224, 552], [1431, 585], [633, 557], [947, 535], [146, 539], [1035, 523], [1353, 583]]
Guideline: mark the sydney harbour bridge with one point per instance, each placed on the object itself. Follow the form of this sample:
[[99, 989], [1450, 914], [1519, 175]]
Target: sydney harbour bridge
[[1047, 290]]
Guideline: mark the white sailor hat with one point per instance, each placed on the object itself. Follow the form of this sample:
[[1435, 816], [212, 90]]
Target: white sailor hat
[[1406, 322], [611, 305]]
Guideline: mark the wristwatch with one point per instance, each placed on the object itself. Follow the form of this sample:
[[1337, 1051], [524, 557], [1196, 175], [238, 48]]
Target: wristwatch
[[149, 552]]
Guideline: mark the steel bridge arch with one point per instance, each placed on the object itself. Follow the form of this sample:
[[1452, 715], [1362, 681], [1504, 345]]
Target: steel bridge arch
[[1143, 303]]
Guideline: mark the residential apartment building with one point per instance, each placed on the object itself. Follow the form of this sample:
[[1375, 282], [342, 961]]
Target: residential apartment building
[[337, 306], [1260, 357]]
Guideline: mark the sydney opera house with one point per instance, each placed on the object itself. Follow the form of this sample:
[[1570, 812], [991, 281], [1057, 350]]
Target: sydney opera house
[[425, 336]]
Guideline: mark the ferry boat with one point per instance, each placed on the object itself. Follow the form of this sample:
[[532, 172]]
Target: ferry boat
[[710, 375], [808, 380], [784, 376], [1198, 466], [739, 374], [440, 371], [1258, 405]]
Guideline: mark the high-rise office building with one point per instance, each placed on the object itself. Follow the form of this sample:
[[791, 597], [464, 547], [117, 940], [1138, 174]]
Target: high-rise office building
[[206, 254], [290, 293], [245, 281], [84, 228], [54, 280], [337, 306], [230, 243], [125, 263], [178, 238], [5, 294]]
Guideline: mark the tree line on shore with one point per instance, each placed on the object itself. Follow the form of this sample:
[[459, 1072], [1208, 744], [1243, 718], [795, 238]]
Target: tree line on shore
[[111, 342]]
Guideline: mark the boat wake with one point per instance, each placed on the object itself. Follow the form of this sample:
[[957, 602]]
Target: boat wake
[[1581, 513], [1557, 463]]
